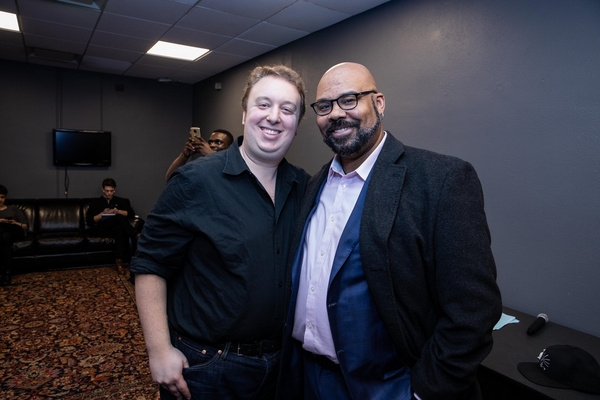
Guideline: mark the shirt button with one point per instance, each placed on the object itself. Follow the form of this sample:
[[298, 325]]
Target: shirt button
[[322, 252], [309, 326], [312, 289], [332, 218]]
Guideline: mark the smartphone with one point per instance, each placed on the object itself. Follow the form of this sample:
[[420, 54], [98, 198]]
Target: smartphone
[[195, 132]]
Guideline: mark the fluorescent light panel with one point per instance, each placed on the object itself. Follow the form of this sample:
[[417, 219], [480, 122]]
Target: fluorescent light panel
[[178, 51], [9, 21]]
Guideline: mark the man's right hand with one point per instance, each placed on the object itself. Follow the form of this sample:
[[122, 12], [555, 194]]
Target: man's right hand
[[167, 368], [201, 146]]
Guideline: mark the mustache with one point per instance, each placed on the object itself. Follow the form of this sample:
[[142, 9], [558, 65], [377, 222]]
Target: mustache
[[341, 123]]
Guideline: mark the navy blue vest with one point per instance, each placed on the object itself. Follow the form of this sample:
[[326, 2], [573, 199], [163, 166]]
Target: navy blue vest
[[369, 361]]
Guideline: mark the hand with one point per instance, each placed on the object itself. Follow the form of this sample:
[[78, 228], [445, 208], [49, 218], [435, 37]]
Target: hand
[[167, 368], [201, 146], [189, 147], [109, 211]]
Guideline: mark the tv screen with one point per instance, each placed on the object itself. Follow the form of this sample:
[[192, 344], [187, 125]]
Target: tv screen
[[73, 147]]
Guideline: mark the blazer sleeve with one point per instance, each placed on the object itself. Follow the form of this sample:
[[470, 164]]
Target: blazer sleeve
[[467, 298]]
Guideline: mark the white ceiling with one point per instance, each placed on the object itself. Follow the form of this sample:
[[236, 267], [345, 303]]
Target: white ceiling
[[112, 36]]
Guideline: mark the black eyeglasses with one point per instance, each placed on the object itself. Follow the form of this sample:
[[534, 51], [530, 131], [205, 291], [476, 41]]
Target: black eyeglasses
[[346, 102]]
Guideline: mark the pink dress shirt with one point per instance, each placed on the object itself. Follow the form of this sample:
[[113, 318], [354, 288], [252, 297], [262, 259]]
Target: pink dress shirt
[[337, 200]]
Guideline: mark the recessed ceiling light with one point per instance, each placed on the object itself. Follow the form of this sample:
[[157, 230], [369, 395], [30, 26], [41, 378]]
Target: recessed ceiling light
[[9, 21], [178, 51]]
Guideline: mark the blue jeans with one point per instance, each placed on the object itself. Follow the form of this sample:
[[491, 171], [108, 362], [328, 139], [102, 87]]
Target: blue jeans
[[221, 374]]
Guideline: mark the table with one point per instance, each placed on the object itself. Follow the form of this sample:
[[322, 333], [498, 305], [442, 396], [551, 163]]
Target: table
[[512, 345]]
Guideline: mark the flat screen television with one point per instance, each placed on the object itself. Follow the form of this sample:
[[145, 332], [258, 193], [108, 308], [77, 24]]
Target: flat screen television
[[75, 147]]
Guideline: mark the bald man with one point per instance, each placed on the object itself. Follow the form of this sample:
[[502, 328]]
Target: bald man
[[393, 286]]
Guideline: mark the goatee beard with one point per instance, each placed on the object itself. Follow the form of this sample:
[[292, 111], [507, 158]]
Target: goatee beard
[[355, 144]]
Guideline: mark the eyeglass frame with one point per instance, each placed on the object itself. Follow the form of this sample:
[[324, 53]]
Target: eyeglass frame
[[336, 101]]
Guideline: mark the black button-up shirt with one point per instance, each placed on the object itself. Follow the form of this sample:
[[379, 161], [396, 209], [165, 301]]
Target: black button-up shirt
[[222, 245]]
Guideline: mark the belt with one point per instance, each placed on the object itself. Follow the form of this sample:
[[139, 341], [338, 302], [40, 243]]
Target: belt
[[323, 361], [255, 349]]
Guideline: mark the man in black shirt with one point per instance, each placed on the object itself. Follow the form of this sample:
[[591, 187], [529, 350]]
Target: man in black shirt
[[109, 215], [210, 267]]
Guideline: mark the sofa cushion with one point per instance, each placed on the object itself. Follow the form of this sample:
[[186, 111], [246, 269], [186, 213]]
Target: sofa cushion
[[59, 215]]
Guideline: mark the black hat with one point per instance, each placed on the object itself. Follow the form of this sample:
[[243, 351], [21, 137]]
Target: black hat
[[564, 366]]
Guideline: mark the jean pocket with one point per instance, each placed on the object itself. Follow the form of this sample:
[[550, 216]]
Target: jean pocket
[[198, 356]]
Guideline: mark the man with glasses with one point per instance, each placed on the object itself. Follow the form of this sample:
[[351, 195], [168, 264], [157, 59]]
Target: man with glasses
[[393, 289], [219, 140]]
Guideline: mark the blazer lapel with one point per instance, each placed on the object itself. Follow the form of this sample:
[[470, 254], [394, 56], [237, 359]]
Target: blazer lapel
[[382, 201]]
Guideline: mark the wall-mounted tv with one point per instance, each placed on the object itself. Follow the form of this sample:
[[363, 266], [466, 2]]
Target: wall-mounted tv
[[75, 147]]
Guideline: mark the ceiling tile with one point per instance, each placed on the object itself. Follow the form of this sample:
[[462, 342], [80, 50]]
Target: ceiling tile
[[151, 60], [216, 22], [306, 16], [244, 48], [349, 6], [192, 37], [218, 61], [165, 11], [133, 27], [59, 13], [275, 35], [52, 30], [44, 42], [128, 43], [117, 54], [100, 64], [256, 9]]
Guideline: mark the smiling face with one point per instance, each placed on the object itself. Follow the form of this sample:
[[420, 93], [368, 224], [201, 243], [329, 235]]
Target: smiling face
[[219, 141], [353, 134], [270, 120]]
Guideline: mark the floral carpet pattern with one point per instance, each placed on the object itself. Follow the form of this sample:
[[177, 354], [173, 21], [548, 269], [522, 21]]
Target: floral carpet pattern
[[72, 335]]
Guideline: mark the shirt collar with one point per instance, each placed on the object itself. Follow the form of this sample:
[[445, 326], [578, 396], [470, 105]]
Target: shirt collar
[[235, 164], [363, 170]]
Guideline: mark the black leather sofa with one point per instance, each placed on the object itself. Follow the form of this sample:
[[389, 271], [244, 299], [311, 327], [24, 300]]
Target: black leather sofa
[[58, 237]]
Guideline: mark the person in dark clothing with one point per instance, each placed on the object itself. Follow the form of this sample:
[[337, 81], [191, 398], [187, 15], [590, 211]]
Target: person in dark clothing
[[109, 215], [13, 227], [219, 140], [211, 261], [393, 290]]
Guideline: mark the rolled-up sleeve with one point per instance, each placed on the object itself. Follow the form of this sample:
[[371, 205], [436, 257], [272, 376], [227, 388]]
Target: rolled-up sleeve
[[166, 235]]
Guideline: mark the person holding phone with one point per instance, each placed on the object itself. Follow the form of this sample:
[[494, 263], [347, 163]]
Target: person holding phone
[[219, 140], [13, 227], [109, 215]]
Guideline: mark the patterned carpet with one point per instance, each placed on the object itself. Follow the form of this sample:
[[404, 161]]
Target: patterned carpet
[[72, 335]]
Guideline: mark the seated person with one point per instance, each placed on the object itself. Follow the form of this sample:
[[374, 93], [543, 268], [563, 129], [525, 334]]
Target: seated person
[[219, 140], [13, 227], [109, 216]]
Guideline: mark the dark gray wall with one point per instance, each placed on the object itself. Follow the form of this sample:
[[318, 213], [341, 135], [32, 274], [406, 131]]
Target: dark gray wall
[[149, 124], [512, 86]]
